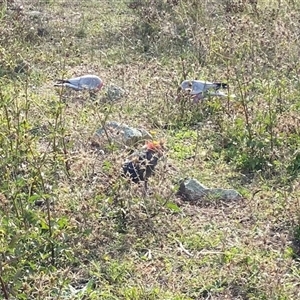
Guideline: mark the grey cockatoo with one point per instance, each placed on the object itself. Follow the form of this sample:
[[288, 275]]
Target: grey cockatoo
[[141, 164], [200, 89], [91, 83]]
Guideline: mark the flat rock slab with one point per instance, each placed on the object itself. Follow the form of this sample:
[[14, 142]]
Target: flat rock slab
[[193, 190], [120, 134]]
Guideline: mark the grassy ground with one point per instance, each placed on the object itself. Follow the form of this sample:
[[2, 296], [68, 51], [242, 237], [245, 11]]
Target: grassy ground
[[95, 237]]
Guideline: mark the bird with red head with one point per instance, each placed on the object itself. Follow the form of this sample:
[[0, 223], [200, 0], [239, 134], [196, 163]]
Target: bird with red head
[[141, 165]]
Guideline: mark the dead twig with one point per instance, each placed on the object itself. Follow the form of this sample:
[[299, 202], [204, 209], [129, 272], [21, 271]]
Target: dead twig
[[183, 249]]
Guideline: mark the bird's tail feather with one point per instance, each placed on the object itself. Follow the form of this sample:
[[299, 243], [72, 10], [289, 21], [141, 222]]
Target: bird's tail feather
[[60, 82], [221, 85]]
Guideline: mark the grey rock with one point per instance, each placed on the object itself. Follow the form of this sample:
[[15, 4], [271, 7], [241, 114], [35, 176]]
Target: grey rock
[[193, 190], [225, 194], [114, 92], [121, 134], [34, 14]]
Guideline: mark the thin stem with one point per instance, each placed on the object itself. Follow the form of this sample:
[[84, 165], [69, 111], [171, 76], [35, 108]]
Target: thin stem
[[245, 110], [3, 288]]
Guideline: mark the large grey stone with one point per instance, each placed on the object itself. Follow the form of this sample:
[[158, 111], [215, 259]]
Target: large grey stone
[[193, 190], [121, 134], [114, 92], [225, 194]]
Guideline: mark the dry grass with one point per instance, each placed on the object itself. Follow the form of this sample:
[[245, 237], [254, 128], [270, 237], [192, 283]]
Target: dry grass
[[97, 237]]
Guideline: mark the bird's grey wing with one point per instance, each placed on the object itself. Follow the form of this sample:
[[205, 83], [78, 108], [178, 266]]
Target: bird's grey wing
[[202, 86], [72, 86], [74, 81], [197, 87], [66, 83], [89, 82]]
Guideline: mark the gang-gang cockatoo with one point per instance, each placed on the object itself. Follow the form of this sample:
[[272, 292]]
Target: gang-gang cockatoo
[[90, 83], [141, 164], [199, 89]]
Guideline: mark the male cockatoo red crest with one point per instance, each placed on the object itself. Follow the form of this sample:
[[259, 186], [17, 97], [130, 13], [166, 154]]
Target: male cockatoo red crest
[[141, 164], [85, 82]]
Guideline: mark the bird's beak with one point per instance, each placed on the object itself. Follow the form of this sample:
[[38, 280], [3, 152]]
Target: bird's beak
[[100, 86]]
